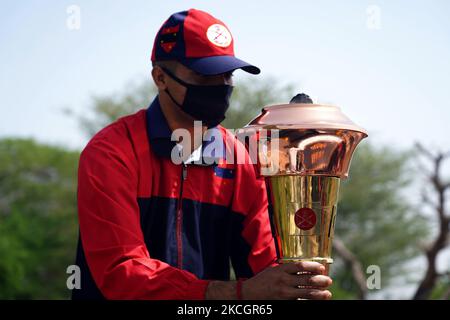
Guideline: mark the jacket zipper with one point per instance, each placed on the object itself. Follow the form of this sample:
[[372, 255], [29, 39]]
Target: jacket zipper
[[180, 218]]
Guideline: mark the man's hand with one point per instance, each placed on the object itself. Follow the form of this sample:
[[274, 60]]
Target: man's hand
[[301, 280], [290, 281]]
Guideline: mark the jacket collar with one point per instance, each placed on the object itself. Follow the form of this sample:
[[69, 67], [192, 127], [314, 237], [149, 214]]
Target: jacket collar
[[159, 135]]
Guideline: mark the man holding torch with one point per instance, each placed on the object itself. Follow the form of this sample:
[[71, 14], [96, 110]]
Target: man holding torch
[[154, 229]]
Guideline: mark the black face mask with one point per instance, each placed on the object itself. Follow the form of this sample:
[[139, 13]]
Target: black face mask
[[205, 103]]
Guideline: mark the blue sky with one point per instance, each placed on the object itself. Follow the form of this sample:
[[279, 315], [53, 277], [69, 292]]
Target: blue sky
[[393, 80]]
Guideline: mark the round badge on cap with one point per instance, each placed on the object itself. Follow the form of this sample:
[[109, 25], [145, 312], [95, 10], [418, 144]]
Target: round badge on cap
[[219, 35]]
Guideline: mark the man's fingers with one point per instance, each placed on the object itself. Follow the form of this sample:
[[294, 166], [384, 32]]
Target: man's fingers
[[308, 280], [303, 293], [314, 294], [310, 266], [304, 266]]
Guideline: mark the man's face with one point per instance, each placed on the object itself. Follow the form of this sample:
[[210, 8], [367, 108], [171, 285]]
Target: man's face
[[178, 91], [165, 82]]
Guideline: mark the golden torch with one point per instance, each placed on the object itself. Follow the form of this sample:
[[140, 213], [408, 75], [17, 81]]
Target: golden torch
[[303, 151]]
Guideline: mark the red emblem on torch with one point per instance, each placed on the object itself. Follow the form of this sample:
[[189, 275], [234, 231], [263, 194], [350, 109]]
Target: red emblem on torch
[[305, 218]]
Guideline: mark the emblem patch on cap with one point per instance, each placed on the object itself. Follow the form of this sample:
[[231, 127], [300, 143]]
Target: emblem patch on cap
[[219, 35], [169, 37]]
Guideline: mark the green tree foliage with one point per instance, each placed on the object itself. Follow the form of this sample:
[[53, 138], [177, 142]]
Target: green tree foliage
[[375, 220], [38, 227], [106, 109]]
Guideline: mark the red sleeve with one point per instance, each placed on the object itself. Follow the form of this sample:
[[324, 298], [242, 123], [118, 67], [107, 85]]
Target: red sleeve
[[111, 234], [250, 199]]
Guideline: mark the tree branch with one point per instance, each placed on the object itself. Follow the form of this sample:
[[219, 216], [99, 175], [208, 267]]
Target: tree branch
[[429, 280], [356, 267]]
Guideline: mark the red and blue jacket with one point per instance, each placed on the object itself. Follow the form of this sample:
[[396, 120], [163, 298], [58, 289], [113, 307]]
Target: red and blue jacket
[[152, 229]]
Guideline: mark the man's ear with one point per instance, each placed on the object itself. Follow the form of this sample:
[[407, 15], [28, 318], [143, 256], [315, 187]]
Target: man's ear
[[159, 78]]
